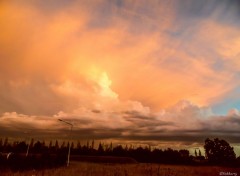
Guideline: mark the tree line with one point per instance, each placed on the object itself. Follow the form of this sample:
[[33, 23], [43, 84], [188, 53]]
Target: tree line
[[38, 154]]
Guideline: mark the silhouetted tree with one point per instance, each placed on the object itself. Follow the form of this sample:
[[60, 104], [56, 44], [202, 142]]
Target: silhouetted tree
[[5, 143], [72, 145], [31, 143], [21, 147], [111, 147], [63, 145], [1, 144], [118, 151], [56, 145], [43, 144], [184, 153], [37, 148], [88, 144], [238, 161], [50, 144], [141, 154], [100, 149], [199, 153], [219, 151], [79, 146], [68, 145]]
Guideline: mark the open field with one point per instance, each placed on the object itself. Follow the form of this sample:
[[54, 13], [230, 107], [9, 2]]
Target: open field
[[94, 169]]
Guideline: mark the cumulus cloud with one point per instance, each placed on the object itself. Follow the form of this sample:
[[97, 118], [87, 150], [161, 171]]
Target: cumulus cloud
[[125, 70], [131, 121]]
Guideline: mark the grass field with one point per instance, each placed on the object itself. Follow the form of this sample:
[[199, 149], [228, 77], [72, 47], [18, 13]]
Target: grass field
[[93, 169]]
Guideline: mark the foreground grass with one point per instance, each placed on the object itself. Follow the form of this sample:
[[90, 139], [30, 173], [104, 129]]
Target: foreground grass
[[92, 169]]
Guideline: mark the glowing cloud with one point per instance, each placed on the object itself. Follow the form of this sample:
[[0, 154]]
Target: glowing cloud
[[141, 69]]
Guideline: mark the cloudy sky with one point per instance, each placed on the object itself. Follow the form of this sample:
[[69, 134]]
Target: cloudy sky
[[121, 70]]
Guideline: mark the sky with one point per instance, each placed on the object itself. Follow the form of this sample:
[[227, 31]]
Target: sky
[[134, 71]]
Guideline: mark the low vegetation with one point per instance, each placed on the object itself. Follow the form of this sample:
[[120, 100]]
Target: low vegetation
[[140, 169]]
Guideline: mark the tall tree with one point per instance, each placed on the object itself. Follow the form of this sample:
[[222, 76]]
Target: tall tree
[[100, 149], [1, 143], [56, 145], [199, 153], [50, 144], [31, 143], [79, 145], [5, 142], [92, 144], [63, 145], [88, 144], [219, 151], [72, 145]]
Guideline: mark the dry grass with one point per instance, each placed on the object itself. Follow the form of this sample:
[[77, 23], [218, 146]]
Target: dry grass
[[93, 169]]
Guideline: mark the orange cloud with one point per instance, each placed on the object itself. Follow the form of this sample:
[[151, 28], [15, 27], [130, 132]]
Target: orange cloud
[[125, 69], [151, 66]]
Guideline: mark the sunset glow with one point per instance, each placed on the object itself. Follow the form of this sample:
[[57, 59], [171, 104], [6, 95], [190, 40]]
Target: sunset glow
[[153, 72]]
